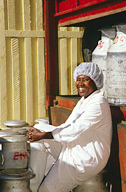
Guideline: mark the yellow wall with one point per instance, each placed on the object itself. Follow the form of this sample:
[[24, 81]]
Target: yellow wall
[[22, 62], [70, 55]]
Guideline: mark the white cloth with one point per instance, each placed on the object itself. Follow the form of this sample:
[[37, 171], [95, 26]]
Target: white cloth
[[43, 154], [91, 70], [86, 139]]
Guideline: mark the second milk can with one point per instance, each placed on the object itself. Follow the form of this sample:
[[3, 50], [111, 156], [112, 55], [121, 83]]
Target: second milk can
[[99, 55], [95, 184], [15, 180], [116, 68], [19, 126], [14, 152]]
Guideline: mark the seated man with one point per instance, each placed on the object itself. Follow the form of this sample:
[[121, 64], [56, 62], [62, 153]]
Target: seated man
[[84, 140]]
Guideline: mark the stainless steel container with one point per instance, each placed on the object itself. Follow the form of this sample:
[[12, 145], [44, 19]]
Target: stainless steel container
[[42, 120], [94, 184], [15, 180], [7, 132], [14, 152], [15, 123], [99, 55], [17, 126], [116, 70]]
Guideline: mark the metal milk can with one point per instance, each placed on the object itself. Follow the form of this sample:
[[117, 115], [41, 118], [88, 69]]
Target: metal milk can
[[95, 184], [99, 55], [14, 152], [116, 68], [15, 180], [18, 126], [7, 132], [14, 127], [42, 120]]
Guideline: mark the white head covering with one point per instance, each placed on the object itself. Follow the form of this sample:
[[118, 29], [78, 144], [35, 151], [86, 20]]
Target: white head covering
[[91, 70]]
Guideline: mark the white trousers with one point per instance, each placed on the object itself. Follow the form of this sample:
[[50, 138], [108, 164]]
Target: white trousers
[[43, 155], [44, 161]]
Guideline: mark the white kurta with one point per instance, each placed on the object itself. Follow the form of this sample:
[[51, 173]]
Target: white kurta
[[86, 139]]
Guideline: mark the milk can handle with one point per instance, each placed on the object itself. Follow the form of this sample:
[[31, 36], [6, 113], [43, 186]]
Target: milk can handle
[[2, 158]]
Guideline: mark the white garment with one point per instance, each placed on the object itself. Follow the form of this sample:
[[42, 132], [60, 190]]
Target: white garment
[[43, 154], [86, 139]]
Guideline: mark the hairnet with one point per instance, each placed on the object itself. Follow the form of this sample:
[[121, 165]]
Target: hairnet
[[91, 70]]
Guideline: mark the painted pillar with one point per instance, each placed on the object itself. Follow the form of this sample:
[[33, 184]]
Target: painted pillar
[[51, 52]]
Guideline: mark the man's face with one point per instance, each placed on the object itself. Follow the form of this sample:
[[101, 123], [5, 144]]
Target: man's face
[[85, 85]]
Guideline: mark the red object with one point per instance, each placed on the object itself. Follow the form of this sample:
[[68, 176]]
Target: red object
[[122, 153], [124, 112], [68, 6], [99, 10], [66, 102], [18, 155], [64, 13], [51, 52]]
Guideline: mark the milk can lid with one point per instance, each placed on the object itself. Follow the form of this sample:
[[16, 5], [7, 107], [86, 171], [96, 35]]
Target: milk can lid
[[42, 120], [13, 139], [15, 123], [108, 32], [121, 27], [16, 174]]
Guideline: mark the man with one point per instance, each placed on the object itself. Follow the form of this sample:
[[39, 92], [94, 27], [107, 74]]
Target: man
[[85, 137]]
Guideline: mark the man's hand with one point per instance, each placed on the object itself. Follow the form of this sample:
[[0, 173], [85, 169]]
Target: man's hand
[[35, 135]]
